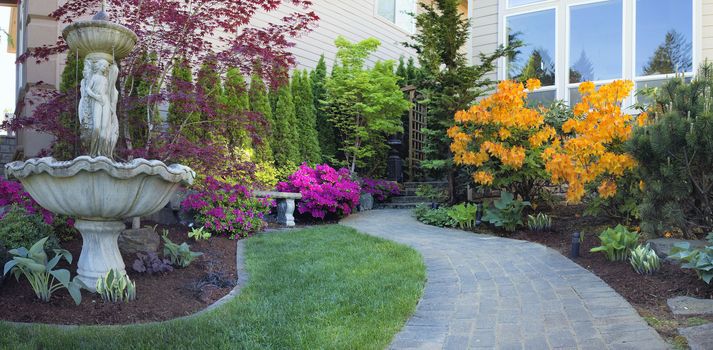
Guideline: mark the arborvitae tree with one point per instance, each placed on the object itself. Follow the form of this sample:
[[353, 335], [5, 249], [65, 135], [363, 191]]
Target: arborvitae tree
[[135, 129], [401, 72], [285, 145], [447, 81], [306, 119], [259, 103], [235, 103], [325, 128], [67, 148], [411, 71], [673, 55], [183, 117], [209, 91]]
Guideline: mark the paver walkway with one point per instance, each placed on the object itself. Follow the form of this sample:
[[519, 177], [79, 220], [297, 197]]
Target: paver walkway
[[490, 292]]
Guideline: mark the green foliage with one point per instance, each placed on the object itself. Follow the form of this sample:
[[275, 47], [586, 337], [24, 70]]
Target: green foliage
[[235, 102], [116, 287], [433, 194], [18, 228], [556, 114], [308, 140], [675, 156], [65, 149], [135, 129], [617, 243], [506, 212], [180, 255], [436, 217], [463, 214], [446, 80], [210, 90], [325, 129], [40, 272], [700, 260], [539, 223], [260, 103], [365, 105], [644, 260], [285, 141], [180, 121], [199, 233]]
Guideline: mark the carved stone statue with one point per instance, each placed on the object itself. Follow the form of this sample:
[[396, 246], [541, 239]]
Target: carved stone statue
[[97, 107]]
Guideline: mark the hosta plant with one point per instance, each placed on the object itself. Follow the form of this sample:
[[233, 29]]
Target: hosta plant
[[436, 217], [150, 263], [617, 243], [506, 212], [199, 233], [116, 287], [644, 260], [40, 272], [700, 260], [539, 223], [463, 214], [179, 255]]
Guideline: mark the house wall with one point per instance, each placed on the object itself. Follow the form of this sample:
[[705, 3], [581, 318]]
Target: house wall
[[706, 32], [484, 22]]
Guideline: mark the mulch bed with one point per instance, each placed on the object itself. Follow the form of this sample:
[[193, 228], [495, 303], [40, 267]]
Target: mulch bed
[[159, 297]]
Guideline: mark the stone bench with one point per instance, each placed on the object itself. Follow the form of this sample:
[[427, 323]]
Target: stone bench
[[285, 205]]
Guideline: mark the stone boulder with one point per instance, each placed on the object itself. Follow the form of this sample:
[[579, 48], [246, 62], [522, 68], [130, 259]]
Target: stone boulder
[[144, 239], [165, 216], [686, 306], [699, 337], [663, 246]]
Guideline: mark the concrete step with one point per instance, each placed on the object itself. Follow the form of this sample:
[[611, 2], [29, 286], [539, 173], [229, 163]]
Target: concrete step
[[408, 199], [397, 205]]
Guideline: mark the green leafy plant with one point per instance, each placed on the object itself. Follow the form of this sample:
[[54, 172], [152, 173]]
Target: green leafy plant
[[199, 233], [539, 223], [18, 228], [617, 243], [436, 217], [116, 287], [644, 260], [33, 264], [700, 260], [433, 194], [506, 212], [463, 214], [180, 255]]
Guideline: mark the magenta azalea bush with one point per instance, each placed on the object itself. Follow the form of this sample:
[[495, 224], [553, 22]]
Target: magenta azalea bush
[[380, 189], [227, 209], [325, 191], [11, 192]]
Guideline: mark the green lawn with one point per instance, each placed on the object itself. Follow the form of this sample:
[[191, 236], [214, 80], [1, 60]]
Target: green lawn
[[320, 288]]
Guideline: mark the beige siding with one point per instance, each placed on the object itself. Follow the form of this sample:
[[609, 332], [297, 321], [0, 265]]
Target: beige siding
[[485, 28], [706, 34], [355, 20]]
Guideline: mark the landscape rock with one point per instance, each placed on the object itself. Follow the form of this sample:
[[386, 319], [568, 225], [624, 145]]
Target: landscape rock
[[684, 306], [699, 337], [366, 202], [663, 246], [165, 216], [132, 241]]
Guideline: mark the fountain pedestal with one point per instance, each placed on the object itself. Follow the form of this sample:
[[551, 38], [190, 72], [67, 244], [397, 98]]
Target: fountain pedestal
[[100, 251]]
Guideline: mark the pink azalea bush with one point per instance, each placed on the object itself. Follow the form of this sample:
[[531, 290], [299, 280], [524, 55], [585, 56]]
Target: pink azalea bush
[[325, 191], [380, 189], [227, 209], [11, 192]]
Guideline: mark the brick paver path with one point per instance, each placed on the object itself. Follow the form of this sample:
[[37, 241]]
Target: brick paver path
[[496, 293]]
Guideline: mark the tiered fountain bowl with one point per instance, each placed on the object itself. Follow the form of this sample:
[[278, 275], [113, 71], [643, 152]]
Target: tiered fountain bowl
[[97, 191]]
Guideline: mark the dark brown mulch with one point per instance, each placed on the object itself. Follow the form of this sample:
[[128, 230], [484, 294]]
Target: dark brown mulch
[[159, 297]]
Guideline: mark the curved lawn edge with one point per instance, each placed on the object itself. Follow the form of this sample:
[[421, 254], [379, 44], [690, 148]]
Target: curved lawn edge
[[322, 287]]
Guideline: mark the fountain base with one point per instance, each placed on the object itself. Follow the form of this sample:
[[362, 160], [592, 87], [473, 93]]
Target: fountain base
[[100, 250]]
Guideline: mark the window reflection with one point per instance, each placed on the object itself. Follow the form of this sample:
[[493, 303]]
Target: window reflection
[[595, 47], [534, 59], [513, 3], [663, 36]]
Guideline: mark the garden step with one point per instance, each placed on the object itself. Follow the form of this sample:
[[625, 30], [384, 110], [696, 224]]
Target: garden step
[[408, 199], [399, 205]]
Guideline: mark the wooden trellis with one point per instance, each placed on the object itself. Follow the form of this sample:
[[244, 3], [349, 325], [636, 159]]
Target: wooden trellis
[[417, 117]]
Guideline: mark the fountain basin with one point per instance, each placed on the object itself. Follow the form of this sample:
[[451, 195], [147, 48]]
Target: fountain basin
[[98, 36], [100, 194]]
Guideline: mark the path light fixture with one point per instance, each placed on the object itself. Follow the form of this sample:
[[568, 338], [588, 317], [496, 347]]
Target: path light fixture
[[574, 252]]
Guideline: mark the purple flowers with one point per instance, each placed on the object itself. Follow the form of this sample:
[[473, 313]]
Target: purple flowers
[[325, 191], [11, 192], [228, 209], [380, 189]]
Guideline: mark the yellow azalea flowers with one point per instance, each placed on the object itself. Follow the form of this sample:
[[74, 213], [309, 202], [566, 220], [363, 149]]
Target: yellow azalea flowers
[[598, 128]]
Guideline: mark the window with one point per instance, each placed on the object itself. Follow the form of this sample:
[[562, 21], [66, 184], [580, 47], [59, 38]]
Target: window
[[595, 48], [663, 37], [535, 58], [398, 12], [566, 42]]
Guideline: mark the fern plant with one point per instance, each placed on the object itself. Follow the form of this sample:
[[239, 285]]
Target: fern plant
[[644, 260], [617, 243]]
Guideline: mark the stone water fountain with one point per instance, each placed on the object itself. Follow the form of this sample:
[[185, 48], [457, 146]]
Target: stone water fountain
[[94, 189]]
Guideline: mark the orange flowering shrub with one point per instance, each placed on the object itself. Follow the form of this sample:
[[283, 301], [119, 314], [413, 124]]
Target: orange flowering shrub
[[503, 140], [594, 154]]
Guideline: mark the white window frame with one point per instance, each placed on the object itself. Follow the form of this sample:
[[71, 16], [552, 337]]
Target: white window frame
[[409, 31], [562, 37]]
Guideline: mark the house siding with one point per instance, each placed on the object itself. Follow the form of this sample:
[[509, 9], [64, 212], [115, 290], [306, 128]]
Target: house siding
[[355, 20], [484, 22], [706, 33]]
